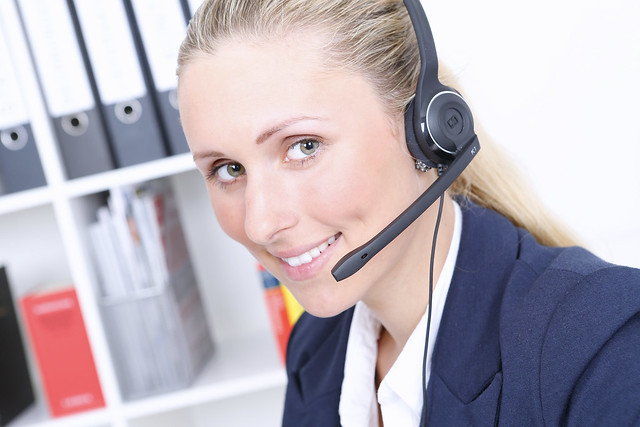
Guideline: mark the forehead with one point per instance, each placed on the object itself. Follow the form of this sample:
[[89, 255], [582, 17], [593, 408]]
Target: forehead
[[246, 69], [247, 84], [251, 60]]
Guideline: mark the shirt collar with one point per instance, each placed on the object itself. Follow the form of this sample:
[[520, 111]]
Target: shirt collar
[[400, 393]]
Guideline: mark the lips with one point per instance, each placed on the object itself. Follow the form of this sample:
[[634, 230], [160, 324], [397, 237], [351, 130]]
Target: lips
[[309, 255]]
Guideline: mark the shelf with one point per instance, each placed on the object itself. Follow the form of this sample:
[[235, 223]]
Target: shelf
[[38, 416], [238, 366], [78, 187], [27, 199], [130, 175]]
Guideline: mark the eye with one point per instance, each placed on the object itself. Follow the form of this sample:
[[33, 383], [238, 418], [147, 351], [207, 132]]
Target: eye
[[302, 149], [229, 172]]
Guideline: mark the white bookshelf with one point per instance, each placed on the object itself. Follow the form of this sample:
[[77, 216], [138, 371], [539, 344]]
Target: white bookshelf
[[43, 239], [47, 228]]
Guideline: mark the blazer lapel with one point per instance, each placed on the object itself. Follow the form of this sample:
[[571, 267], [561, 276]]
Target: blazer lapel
[[466, 379], [315, 381]]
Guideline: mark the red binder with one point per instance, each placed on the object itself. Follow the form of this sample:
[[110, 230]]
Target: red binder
[[59, 341], [277, 311]]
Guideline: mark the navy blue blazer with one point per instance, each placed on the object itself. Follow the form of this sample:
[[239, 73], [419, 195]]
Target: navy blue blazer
[[530, 335]]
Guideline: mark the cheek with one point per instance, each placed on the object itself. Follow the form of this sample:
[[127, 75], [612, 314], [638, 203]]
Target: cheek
[[365, 186], [230, 215], [340, 191]]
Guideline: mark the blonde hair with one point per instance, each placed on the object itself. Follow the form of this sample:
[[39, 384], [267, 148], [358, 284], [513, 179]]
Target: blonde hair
[[376, 39]]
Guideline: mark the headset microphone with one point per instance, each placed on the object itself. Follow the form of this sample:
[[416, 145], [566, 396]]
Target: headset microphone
[[356, 259], [439, 132]]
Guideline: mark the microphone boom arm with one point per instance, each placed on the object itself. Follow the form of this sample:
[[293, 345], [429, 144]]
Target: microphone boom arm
[[356, 259]]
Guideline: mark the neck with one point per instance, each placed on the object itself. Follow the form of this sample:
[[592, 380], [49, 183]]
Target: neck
[[401, 298]]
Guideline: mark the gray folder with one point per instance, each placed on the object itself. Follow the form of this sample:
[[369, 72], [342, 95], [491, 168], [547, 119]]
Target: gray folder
[[83, 143], [134, 131], [131, 122], [67, 87], [158, 33], [168, 106], [20, 167]]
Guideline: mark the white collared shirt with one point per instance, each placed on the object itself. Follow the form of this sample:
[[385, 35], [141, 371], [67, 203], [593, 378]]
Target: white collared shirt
[[400, 393]]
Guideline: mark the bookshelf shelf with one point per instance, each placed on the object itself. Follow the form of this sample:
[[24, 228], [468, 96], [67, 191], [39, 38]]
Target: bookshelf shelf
[[38, 416], [130, 175], [239, 366], [23, 200]]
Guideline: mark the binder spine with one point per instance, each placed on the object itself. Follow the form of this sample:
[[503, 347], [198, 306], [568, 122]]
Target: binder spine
[[159, 28], [186, 10], [20, 166], [67, 88], [128, 113], [192, 6]]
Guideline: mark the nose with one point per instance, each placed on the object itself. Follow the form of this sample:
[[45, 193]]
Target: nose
[[269, 209]]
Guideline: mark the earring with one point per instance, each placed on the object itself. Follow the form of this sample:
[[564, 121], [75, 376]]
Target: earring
[[422, 166]]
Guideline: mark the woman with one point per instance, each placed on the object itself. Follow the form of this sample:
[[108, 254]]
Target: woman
[[294, 112]]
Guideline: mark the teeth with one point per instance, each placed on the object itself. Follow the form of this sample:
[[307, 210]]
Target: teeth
[[308, 256], [305, 258]]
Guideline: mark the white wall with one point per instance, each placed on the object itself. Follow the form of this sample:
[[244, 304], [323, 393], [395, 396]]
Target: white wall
[[557, 83]]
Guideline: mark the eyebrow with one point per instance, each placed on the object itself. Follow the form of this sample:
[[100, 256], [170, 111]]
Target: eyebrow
[[206, 154], [261, 138], [280, 126]]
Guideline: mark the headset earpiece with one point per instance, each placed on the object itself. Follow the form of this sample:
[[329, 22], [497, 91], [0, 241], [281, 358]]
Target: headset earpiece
[[449, 125], [438, 135], [438, 121]]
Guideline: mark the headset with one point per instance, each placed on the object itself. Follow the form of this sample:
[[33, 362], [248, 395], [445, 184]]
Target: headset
[[439, 133]]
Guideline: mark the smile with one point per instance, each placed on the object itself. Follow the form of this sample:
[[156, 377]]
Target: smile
[[310, 255]]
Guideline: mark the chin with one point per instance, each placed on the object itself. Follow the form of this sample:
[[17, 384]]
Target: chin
[[327, 304], [324, 312]]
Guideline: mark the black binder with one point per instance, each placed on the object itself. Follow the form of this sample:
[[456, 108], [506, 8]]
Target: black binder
[[16, 392]]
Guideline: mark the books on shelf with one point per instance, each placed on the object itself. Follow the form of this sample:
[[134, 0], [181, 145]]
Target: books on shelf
[[282, 307], [61, 346], [148, 294], [16, 391]]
